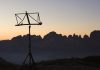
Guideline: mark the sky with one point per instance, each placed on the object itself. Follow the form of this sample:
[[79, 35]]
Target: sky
[[63, 16]]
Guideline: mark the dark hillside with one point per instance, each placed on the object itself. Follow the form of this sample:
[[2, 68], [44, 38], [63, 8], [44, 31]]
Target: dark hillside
[[5, 65], [71, 64], [88, 63]]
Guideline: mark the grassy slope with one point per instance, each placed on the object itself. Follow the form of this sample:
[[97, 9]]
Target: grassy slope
[[90, 63], [69, 64]]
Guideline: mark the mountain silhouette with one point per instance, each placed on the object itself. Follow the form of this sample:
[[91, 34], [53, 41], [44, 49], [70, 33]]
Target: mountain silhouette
[[51, 46]]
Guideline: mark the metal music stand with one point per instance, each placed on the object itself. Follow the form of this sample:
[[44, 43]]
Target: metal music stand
[[29, 63]]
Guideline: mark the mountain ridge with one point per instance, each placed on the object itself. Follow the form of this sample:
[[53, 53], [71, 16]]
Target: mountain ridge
[[52, 46]]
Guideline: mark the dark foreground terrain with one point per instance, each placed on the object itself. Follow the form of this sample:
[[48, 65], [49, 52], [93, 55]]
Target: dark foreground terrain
[[88, 63]]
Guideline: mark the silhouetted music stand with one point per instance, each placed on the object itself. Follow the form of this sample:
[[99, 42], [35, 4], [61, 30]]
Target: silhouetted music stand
[[29, 58]]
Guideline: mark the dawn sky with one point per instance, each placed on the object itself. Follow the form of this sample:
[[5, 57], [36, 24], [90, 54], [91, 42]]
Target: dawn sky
[[63, 16]]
